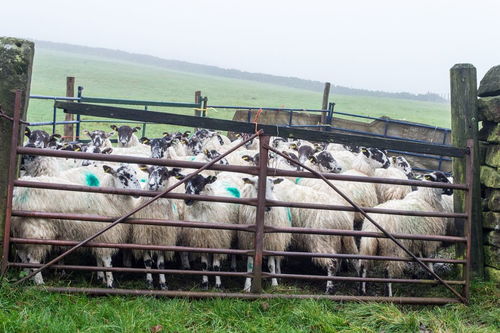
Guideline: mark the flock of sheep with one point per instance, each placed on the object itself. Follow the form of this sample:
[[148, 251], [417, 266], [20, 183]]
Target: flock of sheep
[[203, 146]]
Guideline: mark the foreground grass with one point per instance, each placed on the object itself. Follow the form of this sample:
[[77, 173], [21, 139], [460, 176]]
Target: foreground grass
[[104, 77], [29, 309]]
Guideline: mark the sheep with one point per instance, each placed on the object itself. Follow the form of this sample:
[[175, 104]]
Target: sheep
[[100, 138], [210, 211], [318, 219], [41, 139], [74, 202], [126, 136], [424, 199], [158, 146], [274, 216], [156, 235], [399, 169]]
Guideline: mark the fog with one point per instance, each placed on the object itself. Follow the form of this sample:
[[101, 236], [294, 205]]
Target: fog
[[379, 45]]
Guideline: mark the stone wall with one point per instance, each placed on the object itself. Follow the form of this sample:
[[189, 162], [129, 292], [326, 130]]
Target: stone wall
[[489, 136]]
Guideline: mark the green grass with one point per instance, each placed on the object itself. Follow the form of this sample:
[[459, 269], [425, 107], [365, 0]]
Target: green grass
[[30, 309], [103, 77]]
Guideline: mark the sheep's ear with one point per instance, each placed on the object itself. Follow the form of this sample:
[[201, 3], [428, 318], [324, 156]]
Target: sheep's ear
[[135, 129], [108, 169], [313, 159], [237, 135], [210, 179], [165, 134], [55, 136], [247, 181], [110, 134], [206, 152], [113, 127], [294, 146], [144, 167], [428, 177], [277, 181], [27, 132], [186, 133], [77, 148], [86, 132], [246, 158], [176, 172], [363, 150], [107, 151], [145, 140]]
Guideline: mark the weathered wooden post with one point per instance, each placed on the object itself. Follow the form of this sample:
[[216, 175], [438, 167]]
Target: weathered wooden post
[[69, 134], [16, 61], [464, 125], [324, 106], [197, 100]]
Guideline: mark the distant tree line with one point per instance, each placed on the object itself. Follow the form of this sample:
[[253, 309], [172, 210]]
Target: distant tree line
[[183, 66]]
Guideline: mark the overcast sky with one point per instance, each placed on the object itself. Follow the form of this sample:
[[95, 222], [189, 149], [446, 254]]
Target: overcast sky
[[391, 45]]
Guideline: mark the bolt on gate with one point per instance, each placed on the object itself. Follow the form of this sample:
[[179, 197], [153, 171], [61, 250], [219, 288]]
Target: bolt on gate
[[263, 132]]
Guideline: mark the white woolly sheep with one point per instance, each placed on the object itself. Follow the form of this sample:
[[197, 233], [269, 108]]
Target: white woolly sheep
[[100, 138], [399, 169], [126, 136], [424, 199], [274, 216]]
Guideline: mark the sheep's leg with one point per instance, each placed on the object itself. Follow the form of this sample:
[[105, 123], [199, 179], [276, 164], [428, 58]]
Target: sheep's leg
[[248, 281], [233, 262], [362, 273], [216, 267], [431, 266], [278, 264], [100, 274], [160, 262], [271, 265], [110, 282], [185, 260], [204, 267], [148, 263], [388, 290], [24, 259], [331, 270], [127, 258], [38, 278]]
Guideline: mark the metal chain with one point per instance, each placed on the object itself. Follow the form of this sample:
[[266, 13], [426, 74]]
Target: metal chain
[[3, 115]]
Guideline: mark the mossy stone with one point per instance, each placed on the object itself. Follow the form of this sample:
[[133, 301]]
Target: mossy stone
[[490, 177]]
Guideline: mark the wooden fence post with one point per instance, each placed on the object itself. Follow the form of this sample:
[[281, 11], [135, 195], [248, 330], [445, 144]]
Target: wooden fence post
[[197, 99], [324, 106], [69, 134], [16, 61], [464, 125]]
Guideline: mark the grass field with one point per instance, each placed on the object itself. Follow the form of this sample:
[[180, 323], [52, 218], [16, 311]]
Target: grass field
[[103, 77]]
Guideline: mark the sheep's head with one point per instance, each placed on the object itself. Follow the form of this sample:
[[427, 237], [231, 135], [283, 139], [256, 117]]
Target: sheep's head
[[440, 177], [270, 182], [325, 162], [377, 158], [159, 175], [28, 160], [196, 184], [195, 144], [98, 137], [402, 164], [124, 177], [88, 148], [125, 133], [158, 146], [38, 138], [213, 154], [251, 159]]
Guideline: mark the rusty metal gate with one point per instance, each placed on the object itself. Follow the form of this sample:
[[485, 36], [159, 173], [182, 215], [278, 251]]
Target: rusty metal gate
[[259, 229]]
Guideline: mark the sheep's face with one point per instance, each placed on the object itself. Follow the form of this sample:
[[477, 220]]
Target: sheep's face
[[158, 146], [375, 157], [159, 175], [125, 133], [325, 162], [94, 150], [196, 184], [28, 160], [277, 142], [195, 144], [213, 154], [124, 177], [402, 164], [440, 177], [270, 182], [37, 138], [98, 137]]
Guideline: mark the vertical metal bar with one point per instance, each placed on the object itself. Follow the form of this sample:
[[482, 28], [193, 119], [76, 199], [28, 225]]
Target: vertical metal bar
[[259, 216], [204, 107], [54, 117], [11, 176], [290, 117], [441, 157], [144, 124], [79, 95], [249, 116], [469, 197], [386, 127]]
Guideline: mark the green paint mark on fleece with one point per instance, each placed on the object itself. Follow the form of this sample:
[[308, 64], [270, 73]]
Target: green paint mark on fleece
[[174, 208], [297, 180], [142, 180], [91, 180], [233, 191], [289, 215], [249, 266]]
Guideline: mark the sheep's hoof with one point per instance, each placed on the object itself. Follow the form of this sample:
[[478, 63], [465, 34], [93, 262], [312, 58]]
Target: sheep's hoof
[[186, 267], [204, 285], [218, 287], [163, 286], [330, 290], [112, 285], [149, 284]]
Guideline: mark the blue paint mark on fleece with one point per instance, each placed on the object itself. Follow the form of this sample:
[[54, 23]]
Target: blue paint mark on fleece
[[289, 215], [233, 191], [91, 180], [297, 180]]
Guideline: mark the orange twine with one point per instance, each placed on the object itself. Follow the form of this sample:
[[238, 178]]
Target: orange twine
[[256, 119]]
